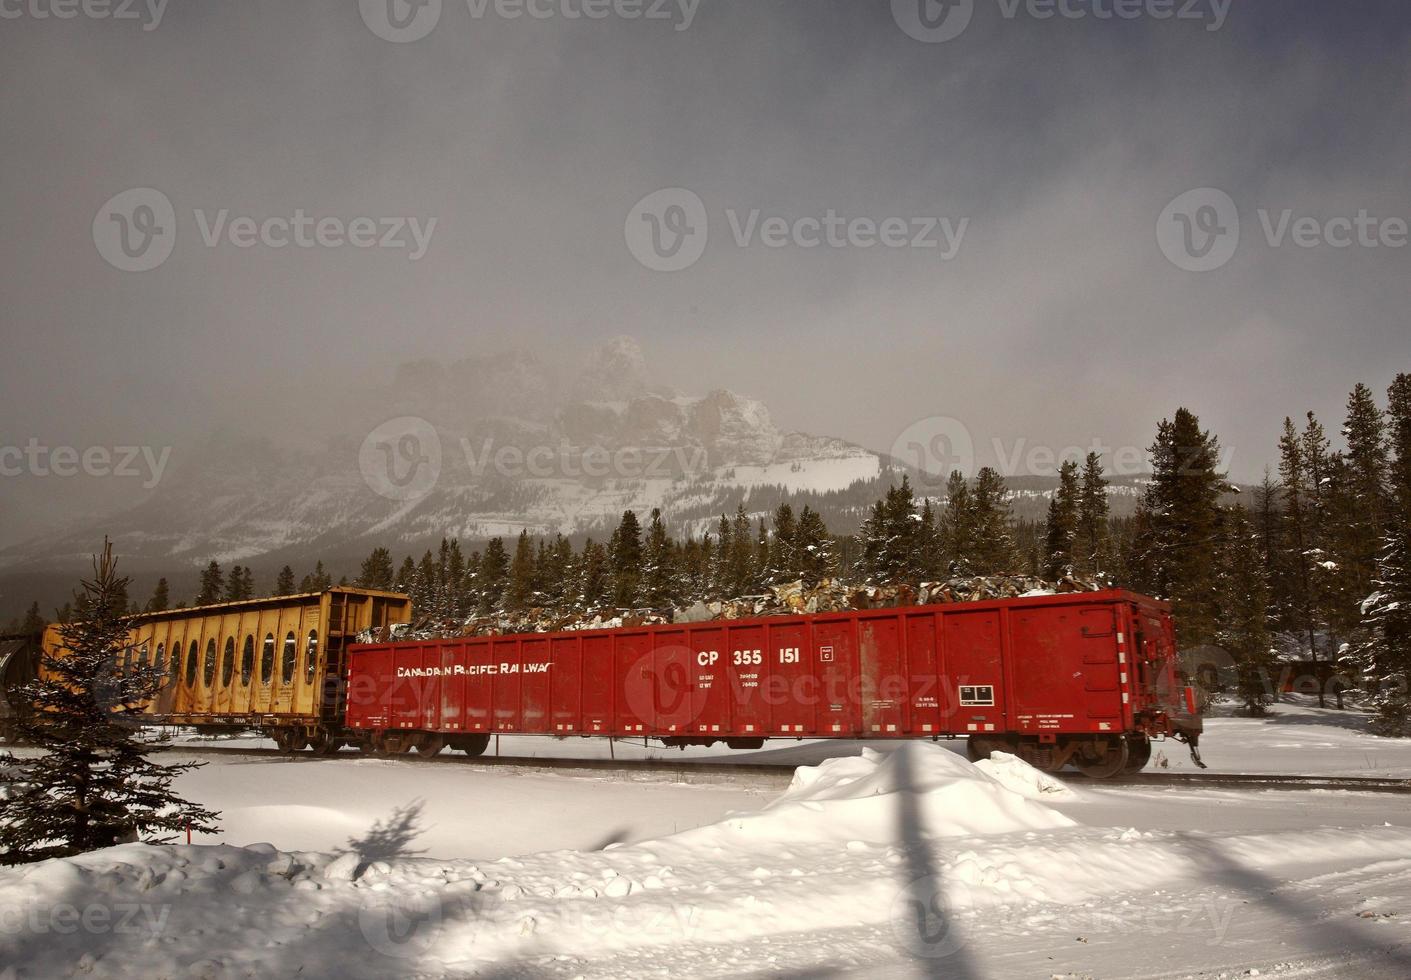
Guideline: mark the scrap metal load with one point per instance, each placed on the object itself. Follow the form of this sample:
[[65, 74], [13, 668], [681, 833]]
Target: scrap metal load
[[1087, 679], [791, 599]]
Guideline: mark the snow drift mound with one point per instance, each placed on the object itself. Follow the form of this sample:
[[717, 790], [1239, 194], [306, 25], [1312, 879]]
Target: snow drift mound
[[1014, 773], [917, 790]]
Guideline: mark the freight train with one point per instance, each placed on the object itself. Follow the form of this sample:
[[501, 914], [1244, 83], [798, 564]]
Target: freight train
[[1082, 679]]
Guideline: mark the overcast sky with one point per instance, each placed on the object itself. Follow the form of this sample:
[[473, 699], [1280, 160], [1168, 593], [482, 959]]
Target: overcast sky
[[529, 141]]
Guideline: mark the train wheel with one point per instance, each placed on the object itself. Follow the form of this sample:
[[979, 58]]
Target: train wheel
[[1102, 760], [471, 744], [428, 746], [391, 744], [371, 746], [1138, 754], [289, 740], [324, 743]]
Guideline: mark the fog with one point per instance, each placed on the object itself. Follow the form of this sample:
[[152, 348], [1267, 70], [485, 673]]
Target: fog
[[1056, 142]]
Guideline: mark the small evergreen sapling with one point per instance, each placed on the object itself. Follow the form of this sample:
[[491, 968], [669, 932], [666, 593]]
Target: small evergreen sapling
[[93, 785]]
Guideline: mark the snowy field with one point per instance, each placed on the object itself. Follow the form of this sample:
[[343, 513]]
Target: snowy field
[[913, 863]]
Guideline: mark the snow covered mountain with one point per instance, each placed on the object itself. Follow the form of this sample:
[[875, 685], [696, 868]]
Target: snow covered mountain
[[498, 444]]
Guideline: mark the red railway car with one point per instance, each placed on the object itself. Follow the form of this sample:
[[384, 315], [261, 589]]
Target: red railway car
[[1084, 678]]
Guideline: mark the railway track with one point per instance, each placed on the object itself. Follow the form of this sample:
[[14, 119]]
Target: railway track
[[706, 771]]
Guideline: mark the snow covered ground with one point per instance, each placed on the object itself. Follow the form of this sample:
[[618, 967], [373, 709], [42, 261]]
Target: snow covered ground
[[902, 864]]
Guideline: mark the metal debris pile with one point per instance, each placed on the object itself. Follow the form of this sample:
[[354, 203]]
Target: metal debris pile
[[793, 598]]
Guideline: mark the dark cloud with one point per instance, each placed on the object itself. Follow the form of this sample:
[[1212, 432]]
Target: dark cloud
[[1061, 141]]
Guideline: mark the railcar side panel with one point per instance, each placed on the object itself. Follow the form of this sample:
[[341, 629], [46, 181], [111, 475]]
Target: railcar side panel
[[791, 680], [566, 685], [922, 705], [974, 670], [599, 683]]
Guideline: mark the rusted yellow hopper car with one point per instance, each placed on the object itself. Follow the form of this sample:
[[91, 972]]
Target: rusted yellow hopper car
[[275, 665]]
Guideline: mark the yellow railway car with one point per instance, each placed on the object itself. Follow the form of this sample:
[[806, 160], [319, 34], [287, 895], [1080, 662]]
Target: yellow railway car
[[274, 665]]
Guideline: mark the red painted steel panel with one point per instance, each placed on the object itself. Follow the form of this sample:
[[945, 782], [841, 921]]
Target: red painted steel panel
[[974, 671], [791, 682], [924, 701], [535, 664], [478, 685], [505, 701], [599, 683], [1065, 669], [838, 711], [566, 685], [633, 674], [883, 686], [662, 693], [744, 669], [1077, 663], [710, 685]]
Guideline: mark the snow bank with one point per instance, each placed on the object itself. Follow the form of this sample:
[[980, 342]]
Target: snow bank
[[1015, 774], [917, 791]]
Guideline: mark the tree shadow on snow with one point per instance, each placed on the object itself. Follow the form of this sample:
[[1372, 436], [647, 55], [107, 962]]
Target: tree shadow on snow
[[387, 840], [1309, 926]]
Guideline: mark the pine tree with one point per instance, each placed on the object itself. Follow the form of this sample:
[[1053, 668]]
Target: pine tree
[[423, 591], [1299, 611], [239, 585], [519, 592], [212, 585], [92, 787], [161, 597], [994, 550], [625, 560], [660, 585], [898, 550], [1362, 505], [494, 571], [928, 544], [594, 581], [284, 585], [34, 621], [783, 564], [376, 571], [316, 581], [1244, 603], [742, 555], [1061, 528], [956, 528], [873, 535], [817, 560], [406, 575], [720, 572], [1092, 547], [1178, 525], [1385, 654]]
